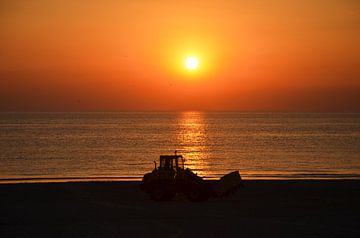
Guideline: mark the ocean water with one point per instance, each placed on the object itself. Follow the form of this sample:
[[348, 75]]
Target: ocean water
[[112, 146]]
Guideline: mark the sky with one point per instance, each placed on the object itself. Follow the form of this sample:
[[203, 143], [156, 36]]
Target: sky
[[254, 55]]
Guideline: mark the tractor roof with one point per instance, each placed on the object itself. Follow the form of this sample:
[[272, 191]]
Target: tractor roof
[[170, 156]]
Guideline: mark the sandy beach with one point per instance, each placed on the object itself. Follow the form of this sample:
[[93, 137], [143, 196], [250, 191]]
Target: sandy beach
[[317, 208]]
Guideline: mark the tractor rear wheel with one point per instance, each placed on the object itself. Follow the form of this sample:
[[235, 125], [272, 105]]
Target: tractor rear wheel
[[162, 194], [158, 194], [196, 194], [170, 195]]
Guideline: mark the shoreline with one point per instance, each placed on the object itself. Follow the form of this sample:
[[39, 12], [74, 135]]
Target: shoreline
[[138, 179]]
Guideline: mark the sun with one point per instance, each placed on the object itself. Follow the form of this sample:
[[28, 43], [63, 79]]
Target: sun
[[191, 63]]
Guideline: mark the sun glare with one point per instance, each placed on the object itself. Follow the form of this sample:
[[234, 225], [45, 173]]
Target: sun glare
[[191, 63]]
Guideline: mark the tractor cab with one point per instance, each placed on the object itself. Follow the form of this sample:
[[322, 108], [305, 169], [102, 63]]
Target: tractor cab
[[171, 162]]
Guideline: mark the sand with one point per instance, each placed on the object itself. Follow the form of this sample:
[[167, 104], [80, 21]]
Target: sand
[[326, 208]]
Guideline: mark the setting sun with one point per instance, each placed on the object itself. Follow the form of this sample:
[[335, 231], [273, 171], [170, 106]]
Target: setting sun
[[217, 93], [191, 63]]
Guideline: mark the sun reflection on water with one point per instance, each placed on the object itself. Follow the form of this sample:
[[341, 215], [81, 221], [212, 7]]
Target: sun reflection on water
[[192, 141]]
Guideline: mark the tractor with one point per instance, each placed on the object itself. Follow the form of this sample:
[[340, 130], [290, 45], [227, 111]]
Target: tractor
[[171, 178]]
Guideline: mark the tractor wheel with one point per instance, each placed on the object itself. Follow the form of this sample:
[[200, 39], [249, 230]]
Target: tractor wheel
[[158, 194], [196, 194], [170, 195]]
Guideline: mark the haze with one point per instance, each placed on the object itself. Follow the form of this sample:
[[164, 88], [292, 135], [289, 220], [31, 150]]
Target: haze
[[298, 56]]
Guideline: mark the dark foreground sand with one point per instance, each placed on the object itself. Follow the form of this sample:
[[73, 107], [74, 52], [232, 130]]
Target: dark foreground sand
[[120, 209]]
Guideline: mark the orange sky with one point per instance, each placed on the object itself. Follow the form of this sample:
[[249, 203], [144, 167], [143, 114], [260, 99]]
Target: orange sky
[[255, 55]]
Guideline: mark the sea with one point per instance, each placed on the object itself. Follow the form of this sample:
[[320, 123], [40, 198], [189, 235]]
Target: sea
[[57, 147]]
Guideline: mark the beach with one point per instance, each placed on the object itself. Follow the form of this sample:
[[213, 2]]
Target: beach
[[263, 208]]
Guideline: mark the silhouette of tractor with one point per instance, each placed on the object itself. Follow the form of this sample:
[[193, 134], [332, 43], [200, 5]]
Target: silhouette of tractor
[[170, 178]]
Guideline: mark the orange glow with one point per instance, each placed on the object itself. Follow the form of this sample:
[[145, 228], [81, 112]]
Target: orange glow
[[129, 55]]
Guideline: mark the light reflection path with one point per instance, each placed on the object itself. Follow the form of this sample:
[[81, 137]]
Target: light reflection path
[[193, 142]]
